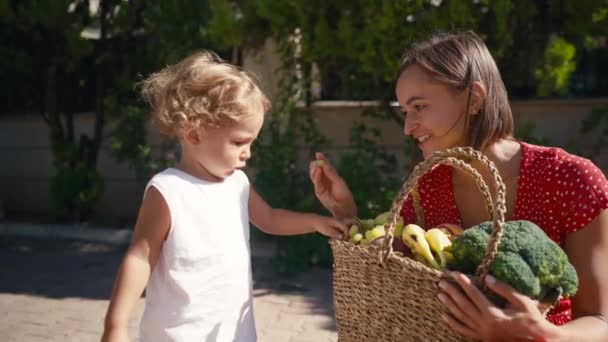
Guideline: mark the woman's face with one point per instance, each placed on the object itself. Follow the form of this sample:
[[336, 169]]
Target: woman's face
[[434, 113]]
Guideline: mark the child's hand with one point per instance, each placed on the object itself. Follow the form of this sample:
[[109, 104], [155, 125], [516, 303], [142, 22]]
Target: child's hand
[[330, 226]]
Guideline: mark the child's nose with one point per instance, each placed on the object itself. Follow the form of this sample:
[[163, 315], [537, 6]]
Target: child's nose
[[246, 154]]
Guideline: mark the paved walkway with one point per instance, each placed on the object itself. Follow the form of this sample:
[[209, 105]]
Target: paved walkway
[[58, 291]]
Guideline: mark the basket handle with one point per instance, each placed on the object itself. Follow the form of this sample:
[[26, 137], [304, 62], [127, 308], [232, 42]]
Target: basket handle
[[456, 157]]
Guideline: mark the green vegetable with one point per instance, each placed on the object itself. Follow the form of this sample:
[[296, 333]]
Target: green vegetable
[[527, 259]]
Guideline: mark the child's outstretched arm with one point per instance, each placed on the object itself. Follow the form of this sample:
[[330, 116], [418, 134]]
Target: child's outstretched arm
[[286, 222], [151, 229]]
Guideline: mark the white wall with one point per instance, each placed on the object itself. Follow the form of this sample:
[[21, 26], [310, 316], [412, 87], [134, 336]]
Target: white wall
[[26, 161]]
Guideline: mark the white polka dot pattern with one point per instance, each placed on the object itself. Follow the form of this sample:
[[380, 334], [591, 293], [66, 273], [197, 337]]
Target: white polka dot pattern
[[558, 191]]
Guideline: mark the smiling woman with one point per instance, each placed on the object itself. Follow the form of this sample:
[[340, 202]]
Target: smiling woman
[[433, 118], [446, 75], [452, 95]]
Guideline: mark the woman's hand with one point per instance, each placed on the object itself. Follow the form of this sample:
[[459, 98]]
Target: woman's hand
[[330, 188], [473, 315]]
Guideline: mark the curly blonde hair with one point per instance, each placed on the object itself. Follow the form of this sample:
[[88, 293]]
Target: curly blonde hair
[[201, 91]]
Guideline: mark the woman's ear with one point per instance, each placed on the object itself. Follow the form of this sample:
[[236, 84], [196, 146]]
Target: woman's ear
[[478, 98]]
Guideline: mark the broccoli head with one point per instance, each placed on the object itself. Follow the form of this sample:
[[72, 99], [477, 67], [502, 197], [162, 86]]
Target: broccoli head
[[527, 259], [512, 269]]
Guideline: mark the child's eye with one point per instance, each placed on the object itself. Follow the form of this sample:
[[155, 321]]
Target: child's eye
[[238, 143]]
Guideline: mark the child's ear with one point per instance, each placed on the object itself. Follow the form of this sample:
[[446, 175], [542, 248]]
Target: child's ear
[[193, 136], [478, 98]]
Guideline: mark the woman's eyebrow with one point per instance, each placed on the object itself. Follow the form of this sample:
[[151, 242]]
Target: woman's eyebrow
[[412, 99]]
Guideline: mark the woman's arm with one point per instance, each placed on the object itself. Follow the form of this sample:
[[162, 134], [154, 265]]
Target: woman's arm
[[471, 314], [150, 231], [588, 252], [287, 222]]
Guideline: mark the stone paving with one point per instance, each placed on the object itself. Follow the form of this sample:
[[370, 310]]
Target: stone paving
[[59, 290]]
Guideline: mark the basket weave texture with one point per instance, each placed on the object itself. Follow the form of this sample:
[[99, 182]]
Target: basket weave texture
[[380, 295]]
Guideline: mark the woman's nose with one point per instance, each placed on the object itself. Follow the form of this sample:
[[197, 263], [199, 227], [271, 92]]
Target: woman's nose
[[409, 125]]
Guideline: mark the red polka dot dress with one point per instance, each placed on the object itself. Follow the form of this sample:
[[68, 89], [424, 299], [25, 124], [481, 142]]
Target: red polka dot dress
[[559, 192]]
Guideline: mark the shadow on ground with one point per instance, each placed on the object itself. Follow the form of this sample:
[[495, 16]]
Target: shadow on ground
[[315, 285], [68, 269]]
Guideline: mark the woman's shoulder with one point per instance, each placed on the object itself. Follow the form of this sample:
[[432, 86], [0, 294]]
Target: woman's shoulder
[[573, 185], [542, 154], [557, 160]]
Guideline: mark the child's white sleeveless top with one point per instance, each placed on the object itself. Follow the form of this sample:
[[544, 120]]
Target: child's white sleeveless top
[[200, 288]]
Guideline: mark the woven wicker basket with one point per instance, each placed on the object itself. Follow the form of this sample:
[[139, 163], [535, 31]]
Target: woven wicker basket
[[380, 295]]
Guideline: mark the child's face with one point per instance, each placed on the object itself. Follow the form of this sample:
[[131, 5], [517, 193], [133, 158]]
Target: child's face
[[434, 112], [220, 151]]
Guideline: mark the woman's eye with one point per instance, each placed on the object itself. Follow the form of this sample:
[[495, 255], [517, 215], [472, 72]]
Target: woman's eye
[[417, 108]]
